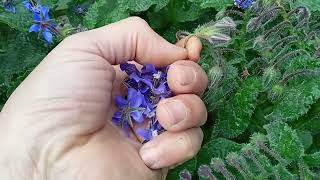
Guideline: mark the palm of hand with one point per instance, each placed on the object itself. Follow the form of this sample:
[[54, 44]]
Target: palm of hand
[[74, 111], [57, 124]]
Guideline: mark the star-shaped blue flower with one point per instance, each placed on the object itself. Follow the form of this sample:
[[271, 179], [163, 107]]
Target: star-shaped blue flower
[[130, 108], [43, 25], [32, 6]]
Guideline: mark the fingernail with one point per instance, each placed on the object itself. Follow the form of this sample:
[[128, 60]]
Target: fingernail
[[185, 74], [176, 110], [149, 156]]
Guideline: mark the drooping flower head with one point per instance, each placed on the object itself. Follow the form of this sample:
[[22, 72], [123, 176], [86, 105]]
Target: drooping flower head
[[9, 6], [43, 24]]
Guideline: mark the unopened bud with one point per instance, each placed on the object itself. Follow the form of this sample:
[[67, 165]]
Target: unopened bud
[[215, 76], [226, 23], [219, 38], [185, 175], [205, 171], [276, 92], [270, 77]]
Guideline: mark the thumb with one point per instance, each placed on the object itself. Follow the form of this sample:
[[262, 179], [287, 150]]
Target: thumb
[[129, 39]]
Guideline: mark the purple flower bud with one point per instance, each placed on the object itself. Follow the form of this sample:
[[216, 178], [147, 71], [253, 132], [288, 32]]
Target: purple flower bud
[[185, 175], [205, 171]]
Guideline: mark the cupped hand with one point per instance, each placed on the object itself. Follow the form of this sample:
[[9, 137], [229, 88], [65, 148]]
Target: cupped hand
[[57, 123]]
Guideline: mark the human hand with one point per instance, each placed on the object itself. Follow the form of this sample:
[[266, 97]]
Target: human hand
[[57, 123]]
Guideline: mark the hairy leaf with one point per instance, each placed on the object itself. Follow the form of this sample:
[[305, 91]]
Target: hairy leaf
[[296, 101], [105, 12], [313, 5], [283, 173], [284, 140], [31, 52], [216, 148], [143, 5], [21, 20], [217, 4], [313, 160], [233, 118]]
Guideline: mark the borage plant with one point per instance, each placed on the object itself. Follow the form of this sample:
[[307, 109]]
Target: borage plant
[[262, 58]]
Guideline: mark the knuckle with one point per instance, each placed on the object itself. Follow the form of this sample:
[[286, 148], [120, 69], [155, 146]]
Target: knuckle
[[139, 21]]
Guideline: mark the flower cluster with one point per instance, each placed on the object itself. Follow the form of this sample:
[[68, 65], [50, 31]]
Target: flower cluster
[[244, 4], [42, 23], [145, 89]]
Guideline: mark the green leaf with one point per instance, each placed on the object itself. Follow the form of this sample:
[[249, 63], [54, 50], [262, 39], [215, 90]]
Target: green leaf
[[31, 52], [284, 173], [62, 4], [143, 5], [311, 121], [112, 16], [234, 116], [297, 100], [102, 13], [216, 148], [21, 20], [312, 160], [217, 4], [190, 165], [284, 140], [186, 11], [313, 5], [306, 138], [91, 18]]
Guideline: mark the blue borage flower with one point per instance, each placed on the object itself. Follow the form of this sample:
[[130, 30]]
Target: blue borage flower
[[33, 6], [153, 130], [152, 84], [244, 4], [9, 6], [43, 24], [129, 108]]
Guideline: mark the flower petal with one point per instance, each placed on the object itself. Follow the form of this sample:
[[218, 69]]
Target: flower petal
[[135, 77], [129, 68], [117, 114], [34, 28], [136, 101], [149, 68], [137, 116], [121, 102], [145, 133], [47, 36], [36, 17], [131, 93], [148, 82]]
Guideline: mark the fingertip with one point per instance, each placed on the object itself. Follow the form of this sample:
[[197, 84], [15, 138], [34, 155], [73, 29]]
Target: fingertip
[[171, 148], [187, 77], [194, 47], [181, 112]]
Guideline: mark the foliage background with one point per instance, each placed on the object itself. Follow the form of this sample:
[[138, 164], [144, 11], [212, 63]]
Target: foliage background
[[239, 107]]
